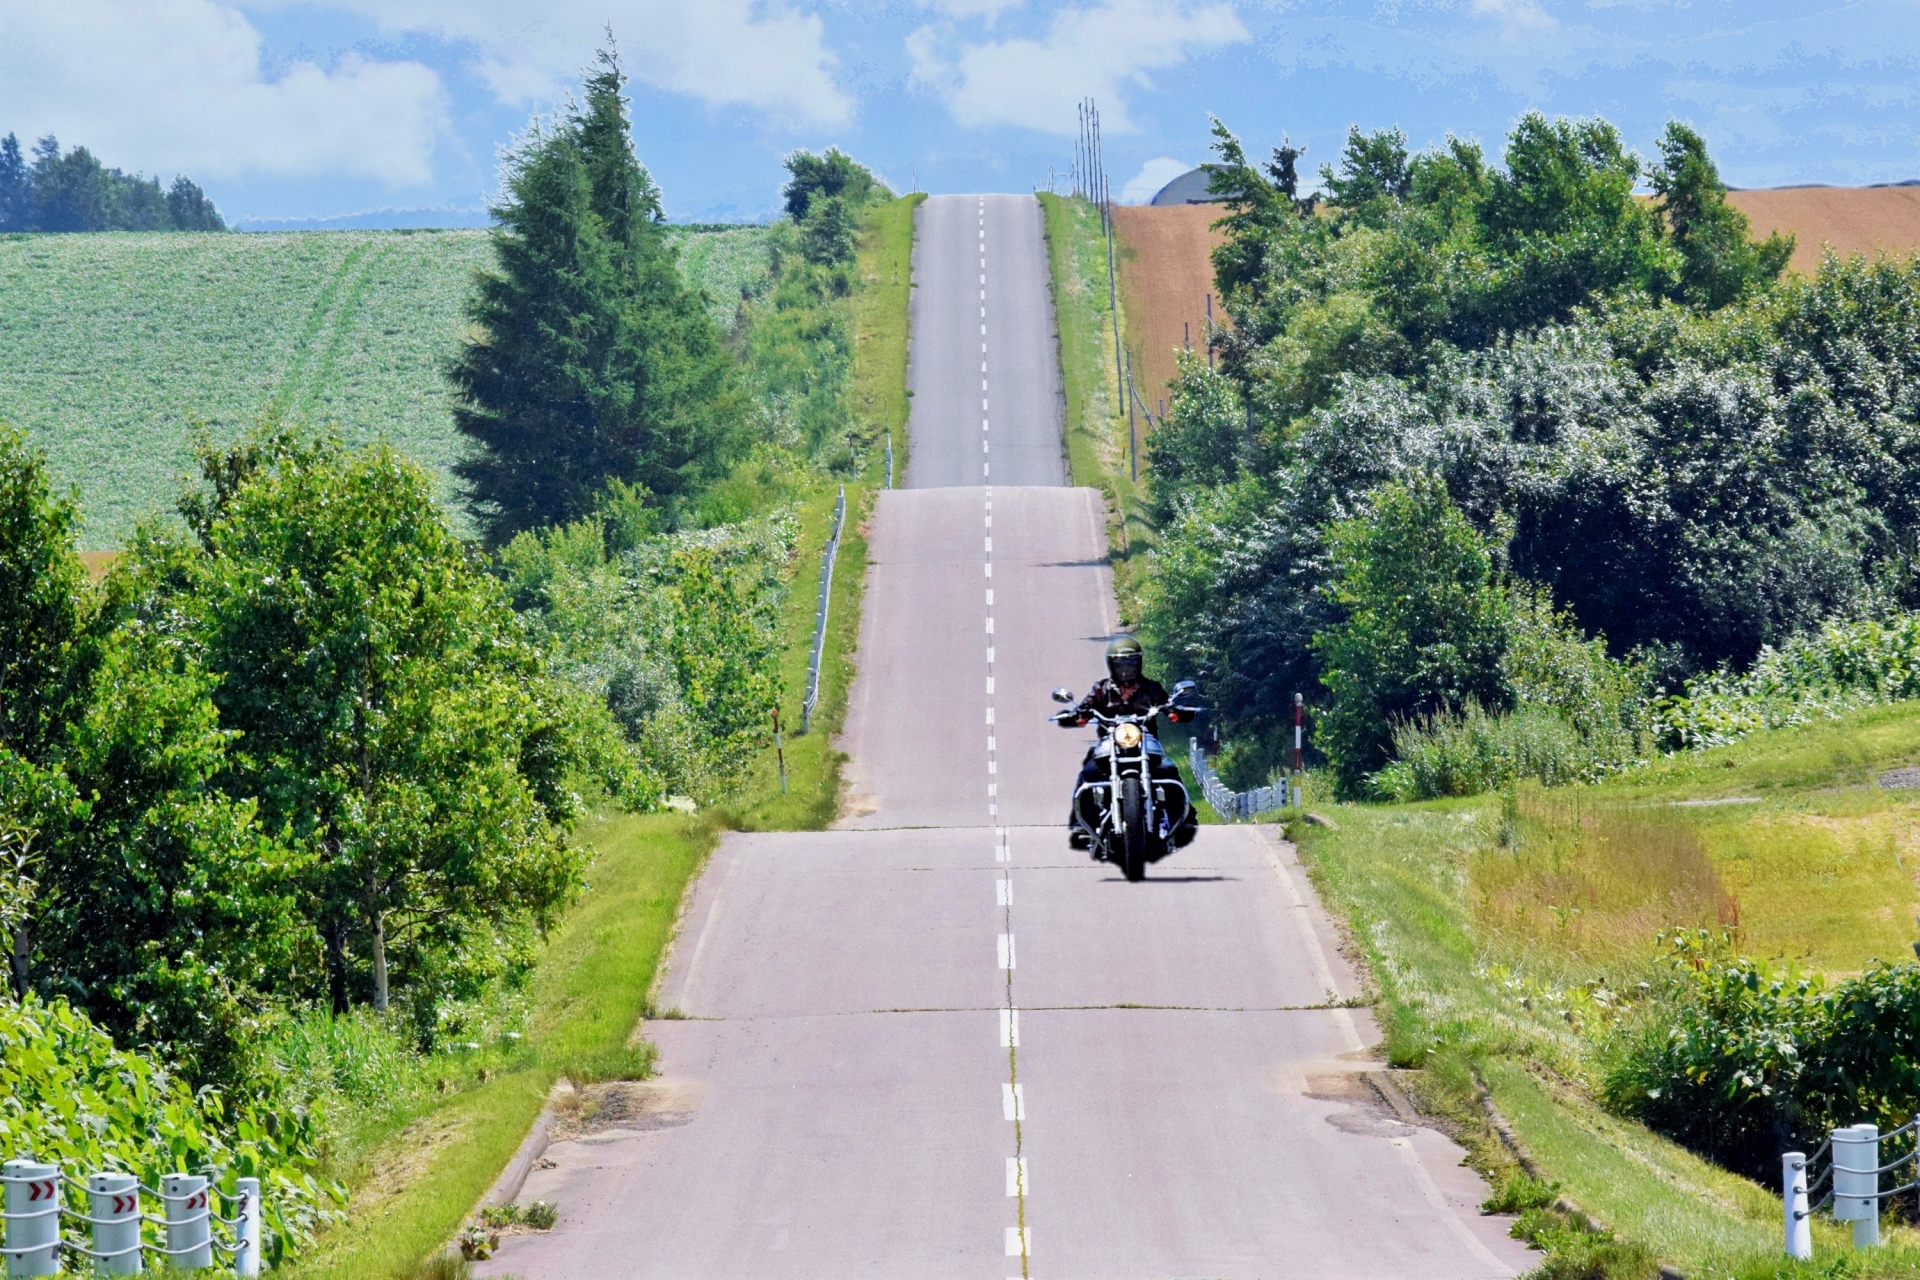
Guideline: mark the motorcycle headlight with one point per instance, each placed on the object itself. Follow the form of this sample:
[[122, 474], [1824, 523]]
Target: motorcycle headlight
[[1127, 735]]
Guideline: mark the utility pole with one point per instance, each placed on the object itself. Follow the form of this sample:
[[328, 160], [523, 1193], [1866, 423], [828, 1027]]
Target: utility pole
[[1299, 713], [1105, 196], [1133, 429]]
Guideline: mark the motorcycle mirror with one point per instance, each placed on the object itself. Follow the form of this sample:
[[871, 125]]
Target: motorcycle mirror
[[1183, 685], [1063, 695]]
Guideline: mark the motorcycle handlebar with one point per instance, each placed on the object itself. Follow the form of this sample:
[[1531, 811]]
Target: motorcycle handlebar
[[1079, 716]]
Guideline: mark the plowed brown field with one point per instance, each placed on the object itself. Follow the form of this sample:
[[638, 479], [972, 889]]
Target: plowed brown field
[[1851, 219], [1166, 269], [1166, 273]]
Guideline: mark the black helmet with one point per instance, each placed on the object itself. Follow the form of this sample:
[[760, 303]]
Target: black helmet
[[1124, 660]]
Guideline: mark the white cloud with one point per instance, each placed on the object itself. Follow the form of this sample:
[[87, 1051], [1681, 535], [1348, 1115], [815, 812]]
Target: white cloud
[[1153, 175], [177, 86], [988, 9], [767, 56], [1516, 17], [1096, 51]]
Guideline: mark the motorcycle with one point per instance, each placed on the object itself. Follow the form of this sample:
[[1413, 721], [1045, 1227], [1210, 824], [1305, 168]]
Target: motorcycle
[[1134, 815]]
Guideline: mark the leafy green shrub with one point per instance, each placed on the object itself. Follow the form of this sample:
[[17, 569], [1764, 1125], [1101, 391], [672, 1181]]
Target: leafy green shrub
[[67, 1096], [1471, 753], [678, 633], [1425, 627], [1577, 716], [1842, 666], [1550, 664], [1741, 1063]]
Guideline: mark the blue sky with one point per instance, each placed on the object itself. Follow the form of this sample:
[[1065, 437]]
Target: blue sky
[[286, 109]]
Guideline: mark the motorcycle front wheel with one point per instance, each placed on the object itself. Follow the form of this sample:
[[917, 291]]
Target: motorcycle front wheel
[[1133, 829]]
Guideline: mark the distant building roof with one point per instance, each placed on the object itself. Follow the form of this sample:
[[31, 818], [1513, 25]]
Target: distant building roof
[[1189, 188]]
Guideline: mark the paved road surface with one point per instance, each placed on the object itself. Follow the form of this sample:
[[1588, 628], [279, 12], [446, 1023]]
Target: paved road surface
[[939, 1043], [984, 368]]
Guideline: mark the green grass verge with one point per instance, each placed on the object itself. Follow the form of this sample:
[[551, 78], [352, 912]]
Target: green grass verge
[[415, 1190], [879, 394], [592, 983], [879, 402], [1096, 426], [1467, 1005]]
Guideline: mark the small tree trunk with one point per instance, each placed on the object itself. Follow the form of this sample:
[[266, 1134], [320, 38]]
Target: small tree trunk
[[379, 962], [22, 960], [335, 934]]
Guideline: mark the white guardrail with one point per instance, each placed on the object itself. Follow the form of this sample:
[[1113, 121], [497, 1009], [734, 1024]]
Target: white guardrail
[[827, 558], [1236, 805], [1855, 1194], [35, 1209]]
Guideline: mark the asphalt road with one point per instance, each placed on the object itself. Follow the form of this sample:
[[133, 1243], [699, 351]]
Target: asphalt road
[[984, 367], [937, 1042]]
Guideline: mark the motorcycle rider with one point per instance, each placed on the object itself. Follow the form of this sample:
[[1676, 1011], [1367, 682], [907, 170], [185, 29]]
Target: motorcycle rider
[[1126, 689]]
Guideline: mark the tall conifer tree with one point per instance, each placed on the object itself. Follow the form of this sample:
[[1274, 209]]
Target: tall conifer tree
[[589, 359]]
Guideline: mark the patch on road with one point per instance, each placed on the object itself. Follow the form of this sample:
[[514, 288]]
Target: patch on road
[[635, 1105]]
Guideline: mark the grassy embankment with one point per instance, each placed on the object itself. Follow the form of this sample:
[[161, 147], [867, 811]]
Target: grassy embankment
[[878, 399], [414, 1189], [116, 348], [1096, 426], [1500, 932]]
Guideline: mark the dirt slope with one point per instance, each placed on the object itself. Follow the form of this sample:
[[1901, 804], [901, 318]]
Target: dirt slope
[[1166, 274], [1851, 219]]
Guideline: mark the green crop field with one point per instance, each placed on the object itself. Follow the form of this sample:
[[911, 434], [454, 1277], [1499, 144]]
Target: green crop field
[[116, 348]]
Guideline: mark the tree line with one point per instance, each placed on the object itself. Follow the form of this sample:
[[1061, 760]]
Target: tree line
[[1487, 436], [73, 191]]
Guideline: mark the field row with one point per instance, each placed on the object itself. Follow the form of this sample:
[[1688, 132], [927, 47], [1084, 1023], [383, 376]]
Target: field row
[[115, 350]]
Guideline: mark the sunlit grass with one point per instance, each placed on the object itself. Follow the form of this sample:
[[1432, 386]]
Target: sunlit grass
[[1573, 873], [1503, 931]]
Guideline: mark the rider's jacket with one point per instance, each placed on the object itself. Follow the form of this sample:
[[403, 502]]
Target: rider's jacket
[[1110, 699]]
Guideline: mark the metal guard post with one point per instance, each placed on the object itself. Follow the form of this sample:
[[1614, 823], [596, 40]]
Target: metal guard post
[[820, 616]]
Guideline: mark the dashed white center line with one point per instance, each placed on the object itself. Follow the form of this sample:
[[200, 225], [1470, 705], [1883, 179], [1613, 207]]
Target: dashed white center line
[[1013, 1101], [1017, 1184], [1009, 1028], [1006, 951], [1002, 892], [1019, 1242]]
